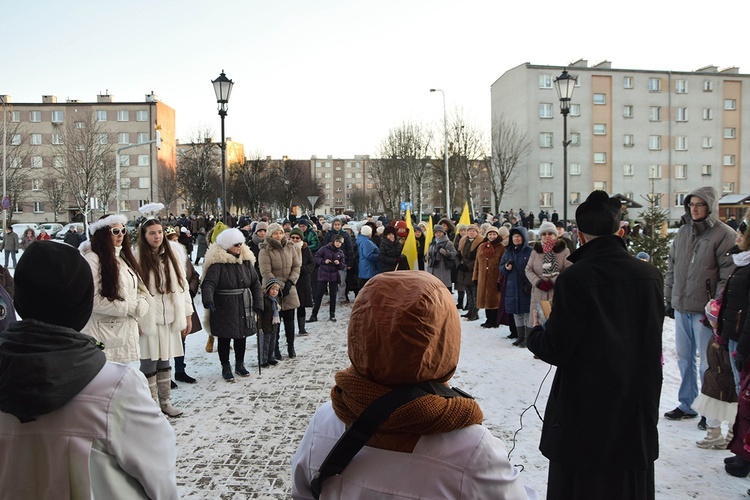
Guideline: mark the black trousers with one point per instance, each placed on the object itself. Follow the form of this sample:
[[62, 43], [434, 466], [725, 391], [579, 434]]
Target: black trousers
[[333, 288], [574, 482], [239, 350]]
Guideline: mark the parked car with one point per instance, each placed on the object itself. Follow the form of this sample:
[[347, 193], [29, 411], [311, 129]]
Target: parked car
[[61, 233], [132, 227], [52, 228]]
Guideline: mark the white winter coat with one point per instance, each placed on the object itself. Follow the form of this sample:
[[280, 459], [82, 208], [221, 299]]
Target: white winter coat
[[109, 441], [161, 328], [467, 463], [114, 323]]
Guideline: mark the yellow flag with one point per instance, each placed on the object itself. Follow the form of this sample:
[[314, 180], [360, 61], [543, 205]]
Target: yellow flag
[[428, 235], [465, 216], [410, 245]]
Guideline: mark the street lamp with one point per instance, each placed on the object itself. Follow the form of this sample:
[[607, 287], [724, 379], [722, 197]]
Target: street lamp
[[5, 160], [445, 147], [564, 84], [222, 89]]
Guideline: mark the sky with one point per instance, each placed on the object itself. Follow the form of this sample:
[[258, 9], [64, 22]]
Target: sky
[[328, 77]]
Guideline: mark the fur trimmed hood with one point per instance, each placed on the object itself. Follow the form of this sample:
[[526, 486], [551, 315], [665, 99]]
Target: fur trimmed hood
[[217, 255], [559, 246]]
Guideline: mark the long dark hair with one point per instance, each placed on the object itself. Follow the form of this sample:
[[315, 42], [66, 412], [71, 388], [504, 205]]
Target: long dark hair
[[151, 261], [102, 246]]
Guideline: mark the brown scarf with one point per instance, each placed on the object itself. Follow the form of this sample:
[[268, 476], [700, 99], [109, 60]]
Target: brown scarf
[[400, 432]]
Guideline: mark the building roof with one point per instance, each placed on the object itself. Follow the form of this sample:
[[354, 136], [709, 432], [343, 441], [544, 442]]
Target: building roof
[[734, 199]]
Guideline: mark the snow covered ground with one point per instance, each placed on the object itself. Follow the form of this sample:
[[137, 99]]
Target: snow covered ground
[[236, 440]]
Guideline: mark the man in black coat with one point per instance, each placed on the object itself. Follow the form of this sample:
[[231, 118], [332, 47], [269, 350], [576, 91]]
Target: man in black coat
[[604, 336]]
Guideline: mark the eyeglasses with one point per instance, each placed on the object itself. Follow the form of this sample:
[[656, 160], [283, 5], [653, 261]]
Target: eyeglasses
[[295, 238], [697, 205], [116, 231], [237, 245]]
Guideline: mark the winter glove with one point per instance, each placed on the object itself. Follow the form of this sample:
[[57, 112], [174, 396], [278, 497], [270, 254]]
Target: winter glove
[[287, 288], [258, 310], [739, 360], [669, 310], [545, 285], [443, 251], [210, 306], [463, 267]]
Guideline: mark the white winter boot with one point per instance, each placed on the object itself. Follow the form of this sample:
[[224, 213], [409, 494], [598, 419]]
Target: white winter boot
[[163, 381], [714, 439]]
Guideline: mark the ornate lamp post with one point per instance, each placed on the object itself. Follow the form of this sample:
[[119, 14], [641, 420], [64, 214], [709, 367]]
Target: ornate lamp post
[[223, 88], [564, 84]]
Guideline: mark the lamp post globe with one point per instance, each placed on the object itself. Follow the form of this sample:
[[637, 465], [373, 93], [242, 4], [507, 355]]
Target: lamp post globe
[[223, 89]]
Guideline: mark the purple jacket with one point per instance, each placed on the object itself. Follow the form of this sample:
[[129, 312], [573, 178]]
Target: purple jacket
[[329, 272]]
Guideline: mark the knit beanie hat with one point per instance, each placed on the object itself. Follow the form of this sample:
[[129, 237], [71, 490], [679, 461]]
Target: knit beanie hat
[[503, 232], [599, 215], [438, 227], [273, 281], [389, 230], [274, 227], [380, 229], [366, 230], [261, 226], [297, 231], [230, 237], [492, 229], [303, 221], [474, 227], [547, 227], [66, 300]]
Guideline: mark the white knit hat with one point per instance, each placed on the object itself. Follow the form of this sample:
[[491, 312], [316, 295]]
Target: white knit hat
[[547, 227], [273, 228], [230, 237], [366, 230]]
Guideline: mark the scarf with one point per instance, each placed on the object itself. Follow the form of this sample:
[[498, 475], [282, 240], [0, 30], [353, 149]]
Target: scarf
[[742, 258], [549, 262], [429, 414], [276, 318]]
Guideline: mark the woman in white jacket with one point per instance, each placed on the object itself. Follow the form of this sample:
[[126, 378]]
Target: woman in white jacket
[[162, 267], [120, 298]]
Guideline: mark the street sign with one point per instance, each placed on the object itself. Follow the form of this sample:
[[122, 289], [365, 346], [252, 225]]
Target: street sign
[[6, 203], [405, 205]]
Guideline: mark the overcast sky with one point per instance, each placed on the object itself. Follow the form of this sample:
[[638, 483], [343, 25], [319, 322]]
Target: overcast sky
[[326, 77]]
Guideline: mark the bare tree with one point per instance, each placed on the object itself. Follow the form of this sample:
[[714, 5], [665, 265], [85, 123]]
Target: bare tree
[[468, 148], [56, 192], [198, 171], [254, 180], [290, 183], [17, 158], [167, 184], [387, 183], [509, 147], [87, 163], [361, 201]]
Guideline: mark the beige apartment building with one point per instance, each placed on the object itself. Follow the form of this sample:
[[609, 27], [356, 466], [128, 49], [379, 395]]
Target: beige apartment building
[[35, 136], [634, 132]]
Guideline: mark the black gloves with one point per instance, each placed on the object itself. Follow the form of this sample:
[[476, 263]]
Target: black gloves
[[669, 310], [258, 311], [739, 360], [210, 306], [287, 288]]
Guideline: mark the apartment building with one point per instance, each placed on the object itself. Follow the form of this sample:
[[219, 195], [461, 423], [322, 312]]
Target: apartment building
[[341, 178], [639, 133], [35, 151]]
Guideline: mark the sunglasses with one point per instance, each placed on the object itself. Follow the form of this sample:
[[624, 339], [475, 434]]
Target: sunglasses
[[295, 238], [117, 231], [237, 245]]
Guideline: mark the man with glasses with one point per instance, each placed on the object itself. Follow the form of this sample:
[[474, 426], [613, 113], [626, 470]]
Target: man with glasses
[[698, 269]]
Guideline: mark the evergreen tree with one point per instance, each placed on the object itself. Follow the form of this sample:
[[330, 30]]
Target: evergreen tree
[[653, 238]]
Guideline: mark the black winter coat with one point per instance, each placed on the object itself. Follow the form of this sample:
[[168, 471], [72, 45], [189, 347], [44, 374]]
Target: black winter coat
[[604, 336], [733, 322], [390, 254], [224, 271], [304, 283]]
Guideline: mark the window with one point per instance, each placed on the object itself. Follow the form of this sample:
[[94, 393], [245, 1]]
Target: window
[[57, 117], [727, 187], [545, 169], [35, 116], [574, 169], [15, 116], [125, 183], [15, 162], [144, 182], [57, 139], [708, 86], [545, 199], [38, 207], [18, 208], [15, 139], [680, 171], [142, 202], [545, 110], [627, 111], [707, 143], [654, 85], [680, 143], [545, 139], [728, 160], [600, 158], [654, 113], [318, 164], [123, 115], [575, 139], [37, 162], [36, 139], [318, 175], [36, 184], [600, 129], [142, 137], [338, 167], [101, 116], [574, 198], [627, 140], [101, 138], [124, 160], [708, 114], [349, 175], [730, 133], [600, 99], [575, 110], [730, 104], [545, 81], [679, 199], [58, 162], [141, 116], [627, 82], [337, 179], [680, 87], [681, 114], [654, 142], [654, 171], [123, 138], [358, 175], [328, 175], [705, 169], [627, 169], [600, 186], [143, 160], [125, 204], [79, 124]]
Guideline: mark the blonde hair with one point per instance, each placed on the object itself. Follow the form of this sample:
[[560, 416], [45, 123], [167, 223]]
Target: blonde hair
[[744, 243]]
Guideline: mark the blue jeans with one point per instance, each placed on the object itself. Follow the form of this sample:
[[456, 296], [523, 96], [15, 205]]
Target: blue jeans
[[10, 253], [690, 337], [732, 348]]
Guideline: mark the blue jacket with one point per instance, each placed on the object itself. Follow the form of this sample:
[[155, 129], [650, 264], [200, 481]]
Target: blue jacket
[[369, 257], [517, 301]]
